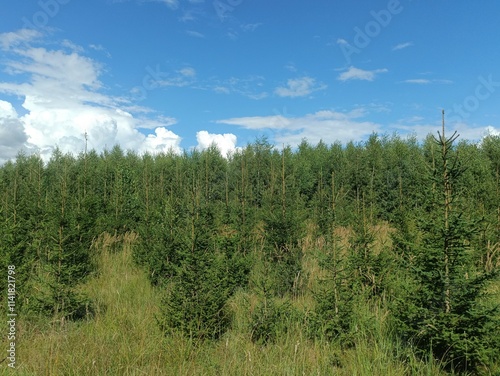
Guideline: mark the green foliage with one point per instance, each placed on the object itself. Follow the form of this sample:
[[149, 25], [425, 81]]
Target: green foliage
[[161, 244], [332, 317], [367, 268], [284, 255], [445, 312], [206, 223], [195, 304], [196, 301], [57, 301], [271, 319]]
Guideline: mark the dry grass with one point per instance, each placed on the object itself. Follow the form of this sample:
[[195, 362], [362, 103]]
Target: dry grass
[[124, 339]]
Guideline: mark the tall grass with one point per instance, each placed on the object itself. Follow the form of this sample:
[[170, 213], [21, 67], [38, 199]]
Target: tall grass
[[124, 339]]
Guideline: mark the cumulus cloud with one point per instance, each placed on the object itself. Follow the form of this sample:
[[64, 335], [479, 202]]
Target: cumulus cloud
[[12, 136], [63, 101], [162, 141], [226, 142], [299, 87], [492, 131], [354, 73]]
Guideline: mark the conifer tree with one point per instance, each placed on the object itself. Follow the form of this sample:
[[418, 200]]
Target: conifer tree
[[282, 223], [195, 300], [445, 312], [64, 260], [332, 317]]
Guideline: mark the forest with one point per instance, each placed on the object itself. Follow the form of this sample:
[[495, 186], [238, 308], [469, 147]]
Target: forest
[[378, 257]]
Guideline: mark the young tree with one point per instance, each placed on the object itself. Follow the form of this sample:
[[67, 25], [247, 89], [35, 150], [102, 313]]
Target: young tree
[[282, 224], [445, 312], [63, 260], [332, 317]]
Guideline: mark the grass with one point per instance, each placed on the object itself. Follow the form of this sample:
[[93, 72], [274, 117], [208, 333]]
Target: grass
[[124, 339]]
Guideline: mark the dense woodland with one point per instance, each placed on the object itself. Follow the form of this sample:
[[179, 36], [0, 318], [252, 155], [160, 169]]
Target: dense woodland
[[209, 226]]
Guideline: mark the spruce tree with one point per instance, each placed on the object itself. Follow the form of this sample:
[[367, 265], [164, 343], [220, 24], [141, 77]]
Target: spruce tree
[[282, 224], [195, 300], [445, 312], [63, 260], [334, 297]]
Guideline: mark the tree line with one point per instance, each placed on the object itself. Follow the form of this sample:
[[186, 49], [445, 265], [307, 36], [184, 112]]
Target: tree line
[[208, 225]]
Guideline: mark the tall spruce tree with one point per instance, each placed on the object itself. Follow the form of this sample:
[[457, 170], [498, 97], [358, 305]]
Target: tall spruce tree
[[282, 230], [445, 313]]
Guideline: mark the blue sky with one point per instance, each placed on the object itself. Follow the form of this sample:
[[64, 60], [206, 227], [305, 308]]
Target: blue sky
[[152, 75]]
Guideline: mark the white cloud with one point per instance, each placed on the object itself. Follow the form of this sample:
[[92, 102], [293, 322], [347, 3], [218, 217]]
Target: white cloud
[[250, 87], [173, 4], [299, 87], [492, 131], [417, 126], [187, 16], [401, 46], [329, 126], [419, 81], [7, 111], [162, 141], [72, 46], [258, 122], [63, 101], [12, 136], [250, 27], [425, 81], [100, 48], [195, 34], [291, 67], [354, 73], [188, 72], [181, 78], [12, 39], [222, 90], [226, 142], [159, 122]]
